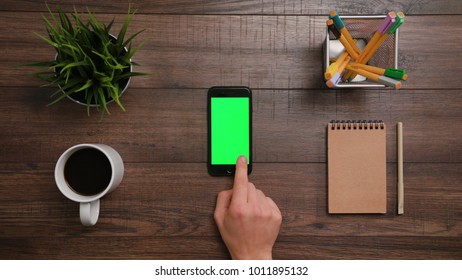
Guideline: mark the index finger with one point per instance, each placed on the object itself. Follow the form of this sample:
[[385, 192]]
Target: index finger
[[240, 180]]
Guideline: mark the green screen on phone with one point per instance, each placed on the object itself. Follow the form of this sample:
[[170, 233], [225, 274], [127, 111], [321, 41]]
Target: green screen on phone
[[230, 129]]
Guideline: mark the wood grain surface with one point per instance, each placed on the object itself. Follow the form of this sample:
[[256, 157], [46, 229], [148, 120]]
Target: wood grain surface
[[282, 52], [270, 7], [164, 206]]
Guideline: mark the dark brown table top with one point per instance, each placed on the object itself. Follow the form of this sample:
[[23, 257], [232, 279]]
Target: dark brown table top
[[164, 206]]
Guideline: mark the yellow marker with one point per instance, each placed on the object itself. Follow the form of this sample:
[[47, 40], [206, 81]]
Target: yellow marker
[[335, 79], [333, 67]]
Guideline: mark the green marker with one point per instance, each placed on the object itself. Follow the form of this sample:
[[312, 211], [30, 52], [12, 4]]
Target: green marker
[[398, 21], [390, 72], [396, 73]]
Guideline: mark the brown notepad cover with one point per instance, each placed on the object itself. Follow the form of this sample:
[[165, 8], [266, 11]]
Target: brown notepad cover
[[356, 167]]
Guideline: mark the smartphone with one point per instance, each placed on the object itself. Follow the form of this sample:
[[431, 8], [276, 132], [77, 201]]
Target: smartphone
[[229, 113]]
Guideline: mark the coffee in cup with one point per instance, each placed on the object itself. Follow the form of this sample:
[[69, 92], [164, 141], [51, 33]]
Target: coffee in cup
[[85, 173]]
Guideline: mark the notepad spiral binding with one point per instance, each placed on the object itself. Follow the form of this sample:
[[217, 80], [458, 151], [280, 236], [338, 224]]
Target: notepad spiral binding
[[354, 124]]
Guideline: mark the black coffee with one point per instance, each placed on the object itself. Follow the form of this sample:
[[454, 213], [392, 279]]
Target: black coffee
[[88, 171]]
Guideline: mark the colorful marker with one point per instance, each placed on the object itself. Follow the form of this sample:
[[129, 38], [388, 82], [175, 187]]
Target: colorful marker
[[381, 30], [348, 47], [333, 67], [334, 80], [341, 27], [374, 77], [390, 72], [337, 76], [398, 21]]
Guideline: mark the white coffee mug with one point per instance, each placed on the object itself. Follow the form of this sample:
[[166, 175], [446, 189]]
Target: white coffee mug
[[89, 204]]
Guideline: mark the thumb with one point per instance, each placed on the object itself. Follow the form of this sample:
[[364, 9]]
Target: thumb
[[223, 200]]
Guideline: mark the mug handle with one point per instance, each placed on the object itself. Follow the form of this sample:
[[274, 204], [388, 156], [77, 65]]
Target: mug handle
[[89, 213]]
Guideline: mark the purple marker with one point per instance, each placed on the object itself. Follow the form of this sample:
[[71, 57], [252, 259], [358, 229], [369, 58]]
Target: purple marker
[[386, 23], [333, 82]]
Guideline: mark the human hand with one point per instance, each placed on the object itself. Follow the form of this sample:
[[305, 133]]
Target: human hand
[[248, 221]]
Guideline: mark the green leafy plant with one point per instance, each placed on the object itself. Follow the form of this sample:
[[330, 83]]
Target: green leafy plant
[[91, 65]]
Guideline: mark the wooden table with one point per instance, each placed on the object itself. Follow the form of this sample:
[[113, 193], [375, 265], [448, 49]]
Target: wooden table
[[164, 207]]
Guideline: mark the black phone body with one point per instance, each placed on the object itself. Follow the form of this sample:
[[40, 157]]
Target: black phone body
[[229, 114]]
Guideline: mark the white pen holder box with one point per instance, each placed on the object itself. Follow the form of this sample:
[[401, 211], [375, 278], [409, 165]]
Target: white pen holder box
[[362, 28]]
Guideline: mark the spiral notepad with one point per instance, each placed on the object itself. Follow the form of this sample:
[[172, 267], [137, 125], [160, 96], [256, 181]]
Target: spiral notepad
[[356, 155]]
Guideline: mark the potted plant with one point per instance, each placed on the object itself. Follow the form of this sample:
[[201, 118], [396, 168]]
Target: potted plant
[[91, 66]]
